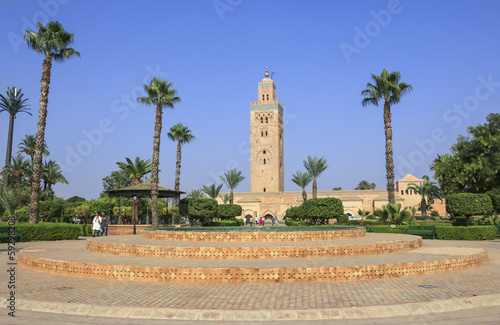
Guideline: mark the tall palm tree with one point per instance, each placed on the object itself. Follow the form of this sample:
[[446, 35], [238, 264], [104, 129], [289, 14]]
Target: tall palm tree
[[28, 144], [12, 104], [387, 88], [18, 169], [52, 41], [302, 180], [51, 174], [315, 166], [428, 191], [182, 135], [212, 190], [232, 178], [136, 170], [226, 198], [160, 94]]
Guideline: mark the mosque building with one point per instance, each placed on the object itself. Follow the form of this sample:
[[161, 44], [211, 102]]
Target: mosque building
[[267, 196]]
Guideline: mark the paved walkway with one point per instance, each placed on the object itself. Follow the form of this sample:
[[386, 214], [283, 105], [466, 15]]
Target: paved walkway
[[416, 299]]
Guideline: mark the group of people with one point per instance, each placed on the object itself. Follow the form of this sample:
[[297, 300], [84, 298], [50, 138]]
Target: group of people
[[100, 224], [259, 221]]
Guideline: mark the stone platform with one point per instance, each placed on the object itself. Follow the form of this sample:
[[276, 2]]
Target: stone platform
[[403, 256]]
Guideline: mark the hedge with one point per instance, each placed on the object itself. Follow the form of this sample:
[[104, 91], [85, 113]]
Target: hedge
[[467, 233], [47, 231], [227, 211], [226, 223]]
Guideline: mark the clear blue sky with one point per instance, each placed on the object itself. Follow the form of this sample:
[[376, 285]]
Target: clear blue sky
[[215, 52]]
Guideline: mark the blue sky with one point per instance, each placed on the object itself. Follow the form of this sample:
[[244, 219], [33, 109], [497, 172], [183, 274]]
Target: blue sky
[[215, 53]]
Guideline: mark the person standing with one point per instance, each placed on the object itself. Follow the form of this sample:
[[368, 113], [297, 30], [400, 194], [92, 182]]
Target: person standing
[[260, 221], [263, 221], [251, 221], [104, 223], [256, 221], [273, 221], [96, 225]]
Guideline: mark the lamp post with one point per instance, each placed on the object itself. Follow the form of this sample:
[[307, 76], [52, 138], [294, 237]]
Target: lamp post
[[135, 211]]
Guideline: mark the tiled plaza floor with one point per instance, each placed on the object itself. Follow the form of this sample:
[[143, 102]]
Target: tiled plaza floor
[[40, 286]]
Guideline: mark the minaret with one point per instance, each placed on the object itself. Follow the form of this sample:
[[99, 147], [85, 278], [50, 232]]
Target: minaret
[[266, 137]]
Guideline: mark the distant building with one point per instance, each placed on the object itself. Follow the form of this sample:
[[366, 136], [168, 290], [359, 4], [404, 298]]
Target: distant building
[[267, 196]]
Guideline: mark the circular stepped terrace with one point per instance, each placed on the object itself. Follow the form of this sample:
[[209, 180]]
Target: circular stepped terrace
[[136, 258]]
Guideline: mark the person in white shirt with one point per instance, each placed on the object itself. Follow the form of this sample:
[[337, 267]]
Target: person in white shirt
[[96, 225]]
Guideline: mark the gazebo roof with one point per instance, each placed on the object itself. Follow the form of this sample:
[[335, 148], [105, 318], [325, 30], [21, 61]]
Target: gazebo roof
[[144, 190]]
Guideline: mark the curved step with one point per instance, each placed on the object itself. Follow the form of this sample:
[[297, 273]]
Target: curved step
[[143, 247], [73, 259]]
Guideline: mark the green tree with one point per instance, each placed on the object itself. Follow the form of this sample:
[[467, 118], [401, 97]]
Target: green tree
[[135, 170], [11, 198], [337, 188], [363, 185], [51, 175], [228, 211], [226, 198], [474, 162], [302, 180], [201, 209], [394, 214], [468, 204], [386, 87], [315, 166], [428, 191], [28, 144], [195, 194], [232, 179], [182, 135], [12, 104], [212, 190], [320, 210], [52, 41], [160, 95], [363, 214], [117, 179], [18, 170]]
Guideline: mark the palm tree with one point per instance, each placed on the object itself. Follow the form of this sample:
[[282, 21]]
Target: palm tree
[[51, 174], [428, 191], [388, 88], [232, 178], [226, 198], [11, 198], [302, 180], [440, 168], [52, 41], [212, 190], [393, 213], [182, 135], [160, 95], [195, 194], [18, 169], [363, 214], [363, 185], [373, 186], [12, 104], [136, 170], [28, 144], [315, 166]]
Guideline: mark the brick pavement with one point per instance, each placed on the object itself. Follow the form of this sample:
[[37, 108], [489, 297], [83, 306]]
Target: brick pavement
[[475, 283]]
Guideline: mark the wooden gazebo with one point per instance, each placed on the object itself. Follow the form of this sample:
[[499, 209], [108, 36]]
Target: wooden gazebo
[[141, 190]]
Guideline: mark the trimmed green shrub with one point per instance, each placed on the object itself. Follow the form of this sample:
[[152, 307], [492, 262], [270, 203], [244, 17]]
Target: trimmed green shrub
[[292, 213], [226, 223], [468, 204], [201, 209], [299, 223], [228, 211], [46, 231], [22, 215], [434, 214], [343, 218], [322, 209], [494, 194], [467, 233]]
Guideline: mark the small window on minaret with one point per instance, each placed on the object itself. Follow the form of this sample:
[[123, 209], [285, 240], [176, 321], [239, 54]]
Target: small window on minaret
[[267, 119], [261, 120], [267, 96], [264, 161], [263, 97], [261, 134], [264, 189], [266, 133], [264, 152]]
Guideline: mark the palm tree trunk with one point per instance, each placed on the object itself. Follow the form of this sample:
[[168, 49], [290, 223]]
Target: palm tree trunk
[[423, 207], [304, 195], [178, 167], [231, 197], [40, 139], [155, 167], [389, 163], [315, 189], [8, 156]]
